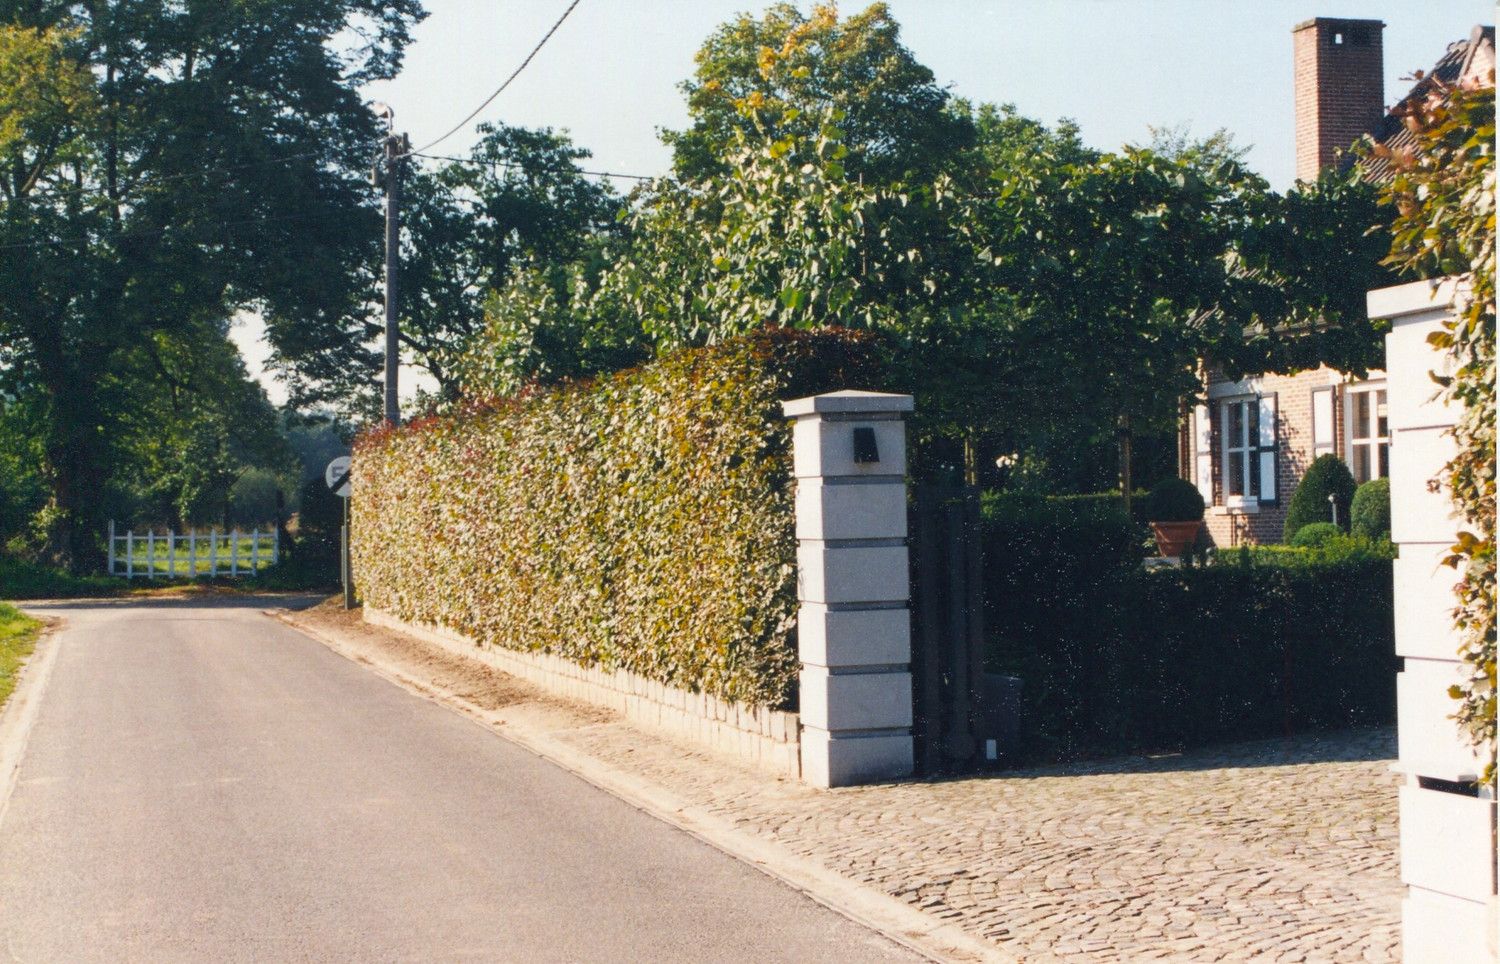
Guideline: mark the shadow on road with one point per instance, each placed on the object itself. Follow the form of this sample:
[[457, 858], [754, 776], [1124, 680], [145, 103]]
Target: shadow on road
[[256, 601]]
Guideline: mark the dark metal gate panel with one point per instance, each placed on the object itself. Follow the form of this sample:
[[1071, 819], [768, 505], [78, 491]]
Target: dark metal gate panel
[[963, 717], [948, 614]]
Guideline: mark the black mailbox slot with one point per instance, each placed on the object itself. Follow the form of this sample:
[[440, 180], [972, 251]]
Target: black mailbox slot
[[865, 449]]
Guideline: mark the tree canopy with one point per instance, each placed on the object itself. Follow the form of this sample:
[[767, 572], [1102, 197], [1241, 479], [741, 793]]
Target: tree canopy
[[169, 165]]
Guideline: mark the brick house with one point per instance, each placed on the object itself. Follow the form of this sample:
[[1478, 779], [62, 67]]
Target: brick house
[[1247, 448]]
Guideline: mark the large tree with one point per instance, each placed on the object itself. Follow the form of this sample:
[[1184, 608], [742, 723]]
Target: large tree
[[185, 160], [518, 199], [784, 71]]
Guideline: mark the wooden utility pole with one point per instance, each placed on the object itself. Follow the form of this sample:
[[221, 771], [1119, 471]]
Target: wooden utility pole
[[397, 147]]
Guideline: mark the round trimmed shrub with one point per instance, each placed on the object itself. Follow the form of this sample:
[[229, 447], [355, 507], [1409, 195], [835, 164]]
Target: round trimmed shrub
[[1315, 535], [1174, 500], [1370, 512], [1327, 475]]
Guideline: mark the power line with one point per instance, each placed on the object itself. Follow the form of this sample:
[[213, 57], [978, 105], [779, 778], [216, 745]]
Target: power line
[[499, 90], [516, 164]]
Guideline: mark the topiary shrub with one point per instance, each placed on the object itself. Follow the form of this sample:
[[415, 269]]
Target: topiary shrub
[[1370, 512], [1327, 475], [1316, 535], [1174, 500]]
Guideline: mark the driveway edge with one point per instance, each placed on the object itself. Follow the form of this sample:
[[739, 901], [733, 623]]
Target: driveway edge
[[864, 905], [19, 714]]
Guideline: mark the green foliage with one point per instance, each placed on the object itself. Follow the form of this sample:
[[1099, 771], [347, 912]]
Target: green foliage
[[1316, 534], [1329, 550], [1117, 659], [22, 579], [779, 73], [164, 170], [320, 522], [18, 633], [1444, 193], [1328, 475], [253, 499], [643, 521], [1174, 499], [1370, 512], [518, 202]]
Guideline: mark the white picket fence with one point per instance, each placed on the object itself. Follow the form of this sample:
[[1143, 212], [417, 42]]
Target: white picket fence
[[172, 555]]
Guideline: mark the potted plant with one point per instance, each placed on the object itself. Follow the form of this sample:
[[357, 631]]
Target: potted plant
[[1175, 510]]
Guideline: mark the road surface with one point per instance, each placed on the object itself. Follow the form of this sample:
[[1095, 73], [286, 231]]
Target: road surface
[[203, 782]]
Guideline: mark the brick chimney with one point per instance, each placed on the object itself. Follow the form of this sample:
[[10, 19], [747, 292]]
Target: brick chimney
[[1339, 91]]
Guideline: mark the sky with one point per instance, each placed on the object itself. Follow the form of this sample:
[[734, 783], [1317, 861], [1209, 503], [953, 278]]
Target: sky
[[1117, 67]]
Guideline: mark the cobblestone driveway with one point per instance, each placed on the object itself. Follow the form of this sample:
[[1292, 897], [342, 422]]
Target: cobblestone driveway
[[1277, 851]]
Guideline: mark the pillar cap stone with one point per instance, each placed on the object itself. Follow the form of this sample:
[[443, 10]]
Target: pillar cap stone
[[847, 401]]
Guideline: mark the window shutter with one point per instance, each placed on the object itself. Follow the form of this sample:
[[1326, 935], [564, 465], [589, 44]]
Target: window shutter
[[1203, 455], [1268, 449], [1322, 410]]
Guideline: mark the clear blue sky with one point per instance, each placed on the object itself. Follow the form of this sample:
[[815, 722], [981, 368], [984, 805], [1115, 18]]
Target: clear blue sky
[[609, 76]]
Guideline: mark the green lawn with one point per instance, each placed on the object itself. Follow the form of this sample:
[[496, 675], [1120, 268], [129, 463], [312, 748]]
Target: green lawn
[[18, 633]]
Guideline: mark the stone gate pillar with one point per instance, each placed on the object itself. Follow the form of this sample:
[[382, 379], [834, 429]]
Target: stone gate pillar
[[854, 586], [1448, 860]]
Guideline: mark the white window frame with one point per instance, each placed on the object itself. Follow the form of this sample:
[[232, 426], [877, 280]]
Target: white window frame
[[1247, 445], [1374, 441]]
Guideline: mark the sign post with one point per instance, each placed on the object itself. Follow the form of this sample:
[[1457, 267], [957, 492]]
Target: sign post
[[337, 476]]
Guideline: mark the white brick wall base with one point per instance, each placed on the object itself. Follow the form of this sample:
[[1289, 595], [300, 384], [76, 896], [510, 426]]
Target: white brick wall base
[[765, 738]]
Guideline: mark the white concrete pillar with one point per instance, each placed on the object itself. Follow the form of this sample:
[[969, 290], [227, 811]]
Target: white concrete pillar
[[1448, 860], [854, 585]]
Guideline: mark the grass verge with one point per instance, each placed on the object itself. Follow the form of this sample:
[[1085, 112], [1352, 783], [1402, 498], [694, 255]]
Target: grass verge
[[18, 633]]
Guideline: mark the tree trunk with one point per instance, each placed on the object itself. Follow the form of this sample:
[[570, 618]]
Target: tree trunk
[[1126, 484]]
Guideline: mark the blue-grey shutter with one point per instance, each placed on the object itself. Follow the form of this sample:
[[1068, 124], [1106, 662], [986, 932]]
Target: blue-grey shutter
[[1267, 447], [1203, 458]]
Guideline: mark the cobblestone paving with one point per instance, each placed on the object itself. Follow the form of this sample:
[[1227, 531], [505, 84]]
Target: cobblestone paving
[[1277, 851]]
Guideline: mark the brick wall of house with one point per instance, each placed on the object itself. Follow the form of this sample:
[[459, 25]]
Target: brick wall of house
[[1338, 90], [1294, 437]]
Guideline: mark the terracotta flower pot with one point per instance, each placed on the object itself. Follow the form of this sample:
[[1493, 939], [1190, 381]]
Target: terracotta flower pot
[[1173, 539]]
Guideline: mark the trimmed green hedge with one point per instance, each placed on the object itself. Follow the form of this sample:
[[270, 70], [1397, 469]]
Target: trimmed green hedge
[[641, 522], [1117, 659]]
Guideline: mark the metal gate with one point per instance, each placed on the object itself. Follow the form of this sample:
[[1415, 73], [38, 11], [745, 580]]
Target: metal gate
[[963, 717]]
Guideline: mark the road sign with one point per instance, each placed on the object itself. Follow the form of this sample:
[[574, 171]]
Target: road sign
[[337, 476]]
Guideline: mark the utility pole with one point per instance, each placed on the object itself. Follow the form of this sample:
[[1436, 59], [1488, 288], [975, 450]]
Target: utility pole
[[397, 146]]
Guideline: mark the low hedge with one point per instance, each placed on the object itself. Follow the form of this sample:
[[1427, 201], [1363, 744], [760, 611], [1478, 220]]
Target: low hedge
[[642, 522], [1116, 658]]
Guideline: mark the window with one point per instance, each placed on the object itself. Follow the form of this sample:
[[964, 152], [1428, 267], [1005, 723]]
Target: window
[[1241, 420], [1369, 433]]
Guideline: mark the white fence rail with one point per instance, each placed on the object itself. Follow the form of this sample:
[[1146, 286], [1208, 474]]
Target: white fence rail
[[175, 555]]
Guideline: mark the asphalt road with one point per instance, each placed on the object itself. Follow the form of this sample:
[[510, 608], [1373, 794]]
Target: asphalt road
[[204, 782]]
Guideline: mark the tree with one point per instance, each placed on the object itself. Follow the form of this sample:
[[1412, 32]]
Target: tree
[[470, 224], [782, 73], [185, 161]]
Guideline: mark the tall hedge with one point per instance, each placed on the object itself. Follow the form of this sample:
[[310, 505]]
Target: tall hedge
[[1116, 658], [642, 522]]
